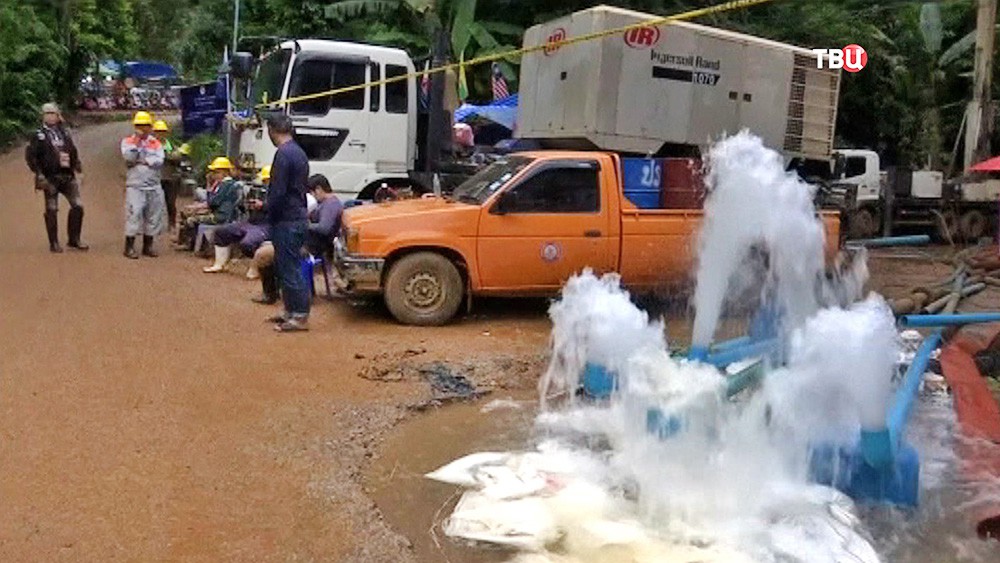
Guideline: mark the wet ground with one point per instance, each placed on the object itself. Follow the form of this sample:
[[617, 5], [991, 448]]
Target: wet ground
[[147, 413]]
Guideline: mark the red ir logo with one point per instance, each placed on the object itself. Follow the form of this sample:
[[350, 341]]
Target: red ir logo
[[851, 58], [556, 36], [642, 37]]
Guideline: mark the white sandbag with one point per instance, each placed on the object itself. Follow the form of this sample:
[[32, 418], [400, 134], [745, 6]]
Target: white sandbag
[[524, 523], [462, 471]]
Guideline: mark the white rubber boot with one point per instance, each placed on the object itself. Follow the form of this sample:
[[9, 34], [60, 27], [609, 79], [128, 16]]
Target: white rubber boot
[[221, 259], [252, 272]]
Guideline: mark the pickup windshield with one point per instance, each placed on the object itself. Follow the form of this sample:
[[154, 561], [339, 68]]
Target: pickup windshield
[[486, 182], [270, 80]]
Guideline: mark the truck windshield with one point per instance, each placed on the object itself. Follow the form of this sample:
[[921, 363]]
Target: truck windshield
[[486, 182], [271, 76]]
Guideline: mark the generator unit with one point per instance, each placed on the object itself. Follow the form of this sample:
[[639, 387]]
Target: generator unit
[[671, 89]]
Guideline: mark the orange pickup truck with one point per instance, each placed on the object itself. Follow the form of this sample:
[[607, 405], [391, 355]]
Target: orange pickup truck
[[521, 226]]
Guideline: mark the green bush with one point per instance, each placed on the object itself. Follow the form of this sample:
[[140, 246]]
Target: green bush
[[30, 58], [204, 148]]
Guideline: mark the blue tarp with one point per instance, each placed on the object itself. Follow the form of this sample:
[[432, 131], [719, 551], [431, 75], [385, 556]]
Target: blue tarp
[[502, 111], [149, 70]]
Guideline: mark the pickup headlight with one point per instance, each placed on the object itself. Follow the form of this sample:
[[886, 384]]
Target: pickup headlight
[[352, 240]]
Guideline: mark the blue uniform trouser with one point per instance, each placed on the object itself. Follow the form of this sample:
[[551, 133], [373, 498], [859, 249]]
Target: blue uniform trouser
[[288, 239]]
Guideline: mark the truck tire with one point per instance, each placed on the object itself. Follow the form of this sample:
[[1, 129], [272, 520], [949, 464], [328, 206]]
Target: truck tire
[[861, 224], [973, 225], [424, 289]]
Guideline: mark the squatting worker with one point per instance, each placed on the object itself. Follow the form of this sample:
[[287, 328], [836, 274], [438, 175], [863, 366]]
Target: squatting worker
[[144, 204], [170, 175], [53, 157], [287, 219]]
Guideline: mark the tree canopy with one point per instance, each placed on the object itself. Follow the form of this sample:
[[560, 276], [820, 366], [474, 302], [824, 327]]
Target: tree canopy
[[907, 103]]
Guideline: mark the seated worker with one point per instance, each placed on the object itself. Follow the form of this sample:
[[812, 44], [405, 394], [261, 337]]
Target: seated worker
[[324, 226], [324, 220], [220, 207], [249, 234]]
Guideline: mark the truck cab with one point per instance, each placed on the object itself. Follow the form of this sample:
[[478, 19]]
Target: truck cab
[[861, 169], [358, 139]]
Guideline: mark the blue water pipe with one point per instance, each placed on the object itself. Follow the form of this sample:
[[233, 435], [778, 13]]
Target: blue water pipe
[[752, 349], [906, 394], [948, 320], [730, 344], [911, 240]]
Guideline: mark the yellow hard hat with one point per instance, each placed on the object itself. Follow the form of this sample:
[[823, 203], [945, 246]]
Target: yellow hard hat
[[185, 149], [160, 126], [142, 118], [221, 163], [265, 174]]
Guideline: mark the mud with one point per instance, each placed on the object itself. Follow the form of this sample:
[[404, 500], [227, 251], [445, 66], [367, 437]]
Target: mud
[[148, 413]]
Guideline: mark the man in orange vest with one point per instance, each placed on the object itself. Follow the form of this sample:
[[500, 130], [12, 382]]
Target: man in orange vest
[[144, 203]]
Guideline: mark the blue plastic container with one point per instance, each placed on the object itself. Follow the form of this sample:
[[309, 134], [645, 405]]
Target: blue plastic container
[[598, 382], [643, 181]]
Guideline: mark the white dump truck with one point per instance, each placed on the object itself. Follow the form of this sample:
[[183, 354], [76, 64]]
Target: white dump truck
[[902, 198], [665, 91]]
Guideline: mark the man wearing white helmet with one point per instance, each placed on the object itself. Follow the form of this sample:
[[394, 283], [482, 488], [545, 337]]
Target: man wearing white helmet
[[53, 157]]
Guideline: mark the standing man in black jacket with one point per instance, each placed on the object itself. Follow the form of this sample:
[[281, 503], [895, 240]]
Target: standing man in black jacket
[[53, 157], [288, 221]]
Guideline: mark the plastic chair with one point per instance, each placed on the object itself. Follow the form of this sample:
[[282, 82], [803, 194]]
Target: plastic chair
[[206, 235], [308, 266]]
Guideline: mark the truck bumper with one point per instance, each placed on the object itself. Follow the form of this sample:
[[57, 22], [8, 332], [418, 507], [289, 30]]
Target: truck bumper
[[362, 274]]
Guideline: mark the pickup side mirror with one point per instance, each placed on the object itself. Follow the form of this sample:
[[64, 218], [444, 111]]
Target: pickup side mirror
[[241, 65], [506, 203]]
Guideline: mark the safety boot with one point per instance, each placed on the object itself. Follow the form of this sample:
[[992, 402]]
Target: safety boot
[[130, 252], [147, 247], [74, 228], [269, 283], [52, 229]]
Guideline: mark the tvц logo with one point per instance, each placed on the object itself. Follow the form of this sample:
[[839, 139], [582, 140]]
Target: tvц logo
[[851, 58]]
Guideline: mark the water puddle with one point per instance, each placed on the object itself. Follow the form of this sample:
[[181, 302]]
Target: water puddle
[[415, 506]]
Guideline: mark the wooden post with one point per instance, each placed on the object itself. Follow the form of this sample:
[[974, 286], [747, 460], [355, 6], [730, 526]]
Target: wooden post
[[980, 111]]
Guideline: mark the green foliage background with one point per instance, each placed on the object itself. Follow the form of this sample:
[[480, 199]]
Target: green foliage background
[[908, 102]]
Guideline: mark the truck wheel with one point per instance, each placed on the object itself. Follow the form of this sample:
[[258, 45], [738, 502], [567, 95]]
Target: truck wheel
[[861, 224], [973, 225], [423, 289]]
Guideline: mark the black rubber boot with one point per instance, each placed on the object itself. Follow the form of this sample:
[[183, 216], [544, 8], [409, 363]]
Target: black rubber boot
[[130, 252], [269, 283], [147, 247], [52, 229], [75, 227]]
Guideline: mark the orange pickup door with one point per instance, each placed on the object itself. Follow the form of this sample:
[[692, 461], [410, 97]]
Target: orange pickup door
[[554, 220]]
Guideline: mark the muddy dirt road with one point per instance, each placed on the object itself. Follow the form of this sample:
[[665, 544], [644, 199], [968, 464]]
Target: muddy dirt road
[[147, 413]]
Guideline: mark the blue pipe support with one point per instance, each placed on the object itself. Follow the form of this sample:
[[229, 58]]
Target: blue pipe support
[[912, 240], [948, 320], [879, 445]]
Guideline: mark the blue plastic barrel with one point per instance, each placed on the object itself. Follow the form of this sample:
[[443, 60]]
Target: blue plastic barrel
[[643, 178]]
